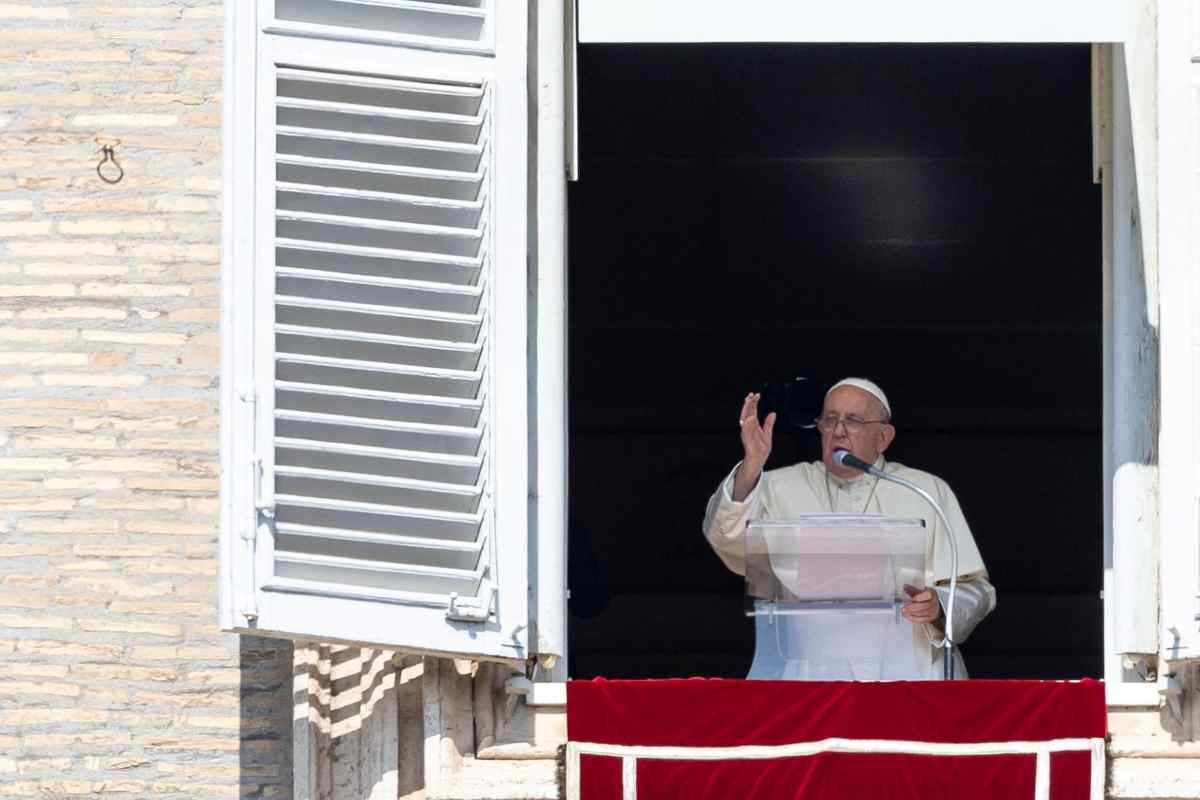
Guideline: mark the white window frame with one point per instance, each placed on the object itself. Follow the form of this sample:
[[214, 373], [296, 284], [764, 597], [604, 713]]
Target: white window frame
[[930, 21]]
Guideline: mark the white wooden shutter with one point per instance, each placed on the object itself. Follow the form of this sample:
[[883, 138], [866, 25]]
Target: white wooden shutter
[[387, 341]]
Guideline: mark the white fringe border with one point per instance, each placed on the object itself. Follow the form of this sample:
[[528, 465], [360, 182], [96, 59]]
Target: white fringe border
[[629, 755]]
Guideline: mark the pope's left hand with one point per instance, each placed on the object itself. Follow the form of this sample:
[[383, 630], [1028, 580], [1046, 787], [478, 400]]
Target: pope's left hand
[[923, 607]]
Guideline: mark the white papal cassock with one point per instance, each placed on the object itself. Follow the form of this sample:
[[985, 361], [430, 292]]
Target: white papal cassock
[[809, 488]]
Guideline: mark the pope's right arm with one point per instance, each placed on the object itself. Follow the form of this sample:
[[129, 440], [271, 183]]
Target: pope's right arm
[[726, 517], [725, 521]]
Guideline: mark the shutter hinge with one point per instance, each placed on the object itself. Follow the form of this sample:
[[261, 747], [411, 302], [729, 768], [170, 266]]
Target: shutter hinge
[[263, 504], [473, 609]]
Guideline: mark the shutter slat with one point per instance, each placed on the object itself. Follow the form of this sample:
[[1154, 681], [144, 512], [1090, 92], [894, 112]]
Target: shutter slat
[[471, 490], [379, 424], [450, 20], [344, 393], [384, 509], [472, 320], [466, 176], [437, 96], [382, 205], [472, 292], [373, 451], [397, 540], [381, 366], [363, 574]]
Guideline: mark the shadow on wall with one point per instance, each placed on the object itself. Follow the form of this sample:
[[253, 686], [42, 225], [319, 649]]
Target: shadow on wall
[[265, 753], [345, 705]]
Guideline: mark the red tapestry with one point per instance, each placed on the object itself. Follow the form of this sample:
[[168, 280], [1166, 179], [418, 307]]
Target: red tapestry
[[702, 738]]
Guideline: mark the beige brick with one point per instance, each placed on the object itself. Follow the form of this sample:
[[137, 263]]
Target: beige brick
[[16, 206], [119, 551], [213, 677], [188, 445], [14, 229], [43, 335], [197, 744], [62, 249], [210, 185], [184, 382], [72, 442], [25, 11], [37, 290], [133, 290], [9, 765], [68, 526], [19, 688], [205, 699], [166, 56], [30, 621], [85, 379], [20, 789], [228, 723], [109, 360], [24, 601], [112, 227], [111, 465], [163, 608], [73, 312], [39, 359], [58, 741], [169, 527], [52, 649], [124, 337], [122, 673], [97, 764], [58, 270], [23, 550], [120, 587], [101, 121], [175, 252], [33, 669], [26, 404], [189, 205], [99, 204], [131, 626], [140, 503], [33, 504], [175, 484], [177, 566], [74, 55], [27, 765], [69, 788], [212, 315], [9, 487], [82, 484], [17, 382], [136, 407]]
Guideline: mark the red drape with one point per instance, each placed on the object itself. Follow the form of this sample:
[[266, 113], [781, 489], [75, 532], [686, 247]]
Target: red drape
[[726, 713]]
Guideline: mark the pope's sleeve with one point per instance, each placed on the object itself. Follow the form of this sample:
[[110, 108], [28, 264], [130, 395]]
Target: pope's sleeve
[[725, 521], [974, 597]]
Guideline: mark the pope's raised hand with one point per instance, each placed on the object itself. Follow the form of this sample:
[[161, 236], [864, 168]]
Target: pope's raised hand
[[756, 446]]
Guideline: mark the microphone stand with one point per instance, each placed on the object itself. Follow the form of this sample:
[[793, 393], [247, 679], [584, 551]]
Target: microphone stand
[[845, 458]]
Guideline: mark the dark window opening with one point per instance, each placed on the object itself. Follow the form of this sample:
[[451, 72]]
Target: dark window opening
[[921, 215]]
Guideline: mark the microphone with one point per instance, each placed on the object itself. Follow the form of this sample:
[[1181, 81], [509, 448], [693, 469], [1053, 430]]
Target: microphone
[[847, 459]]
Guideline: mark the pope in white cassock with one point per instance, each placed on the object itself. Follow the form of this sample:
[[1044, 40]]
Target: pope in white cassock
[[856, 417]]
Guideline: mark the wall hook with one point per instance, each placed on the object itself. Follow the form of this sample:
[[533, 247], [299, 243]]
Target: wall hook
[[110, 157]]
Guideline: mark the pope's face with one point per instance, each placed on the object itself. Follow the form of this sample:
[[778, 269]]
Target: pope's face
[[865, 436]]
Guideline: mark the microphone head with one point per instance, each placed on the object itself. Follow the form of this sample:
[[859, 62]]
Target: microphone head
[[839, 456]]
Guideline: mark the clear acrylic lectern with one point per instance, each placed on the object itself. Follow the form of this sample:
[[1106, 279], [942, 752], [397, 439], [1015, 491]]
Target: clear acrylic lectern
[[826, 590]]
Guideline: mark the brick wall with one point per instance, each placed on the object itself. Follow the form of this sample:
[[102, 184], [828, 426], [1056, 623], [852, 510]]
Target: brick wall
[[113, 676]]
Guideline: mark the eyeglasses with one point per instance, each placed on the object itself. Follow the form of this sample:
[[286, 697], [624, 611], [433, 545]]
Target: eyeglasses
[[854, 425]]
